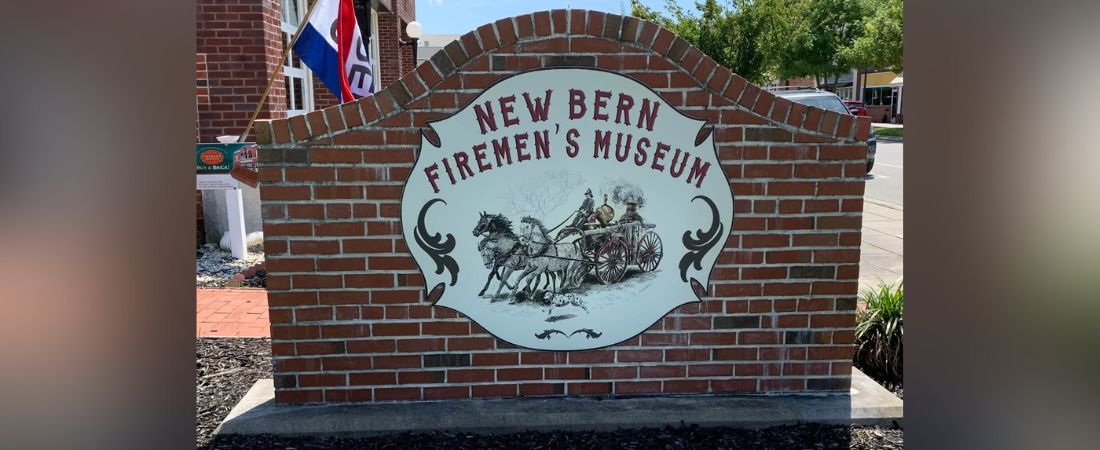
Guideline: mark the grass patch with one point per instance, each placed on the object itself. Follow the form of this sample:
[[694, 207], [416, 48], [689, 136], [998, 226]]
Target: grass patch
[[889, 132]]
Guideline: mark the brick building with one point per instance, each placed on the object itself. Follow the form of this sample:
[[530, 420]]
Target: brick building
[[239, 44]]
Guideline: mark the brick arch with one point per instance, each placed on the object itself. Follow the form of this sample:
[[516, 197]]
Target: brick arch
[[579, 38], [350, 322]]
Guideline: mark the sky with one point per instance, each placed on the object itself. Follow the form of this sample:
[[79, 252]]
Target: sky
[[460, 16]]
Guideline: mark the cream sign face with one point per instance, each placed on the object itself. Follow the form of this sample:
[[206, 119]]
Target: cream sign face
[[566, 209]]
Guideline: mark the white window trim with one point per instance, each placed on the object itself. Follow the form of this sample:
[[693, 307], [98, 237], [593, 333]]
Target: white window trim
[[303, 73], [376, 69]]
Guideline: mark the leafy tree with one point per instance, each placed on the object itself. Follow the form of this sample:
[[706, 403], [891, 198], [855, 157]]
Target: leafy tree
[[880, 44], [807, 37], [728, 32], [766, 39]]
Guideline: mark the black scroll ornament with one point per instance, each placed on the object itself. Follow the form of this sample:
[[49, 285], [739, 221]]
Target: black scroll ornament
[[703, 241], [588, 333], [435, 246]]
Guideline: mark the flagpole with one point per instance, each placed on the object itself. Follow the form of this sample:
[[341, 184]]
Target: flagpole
[[271, 83]]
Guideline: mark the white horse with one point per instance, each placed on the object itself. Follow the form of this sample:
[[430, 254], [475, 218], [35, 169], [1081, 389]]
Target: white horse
[[545, 257]]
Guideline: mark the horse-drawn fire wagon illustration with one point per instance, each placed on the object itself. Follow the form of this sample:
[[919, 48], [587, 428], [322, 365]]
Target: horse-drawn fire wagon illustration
[[609, 247], [593, 243]]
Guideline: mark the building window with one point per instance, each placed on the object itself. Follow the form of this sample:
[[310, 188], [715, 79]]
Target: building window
[[299, 80], [879, 96], [844, 93]]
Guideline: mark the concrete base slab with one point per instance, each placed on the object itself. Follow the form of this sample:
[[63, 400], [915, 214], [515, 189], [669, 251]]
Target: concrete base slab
[[256, 413]]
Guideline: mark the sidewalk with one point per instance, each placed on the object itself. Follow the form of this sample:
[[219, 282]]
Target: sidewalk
[[881, 257], [231, 313]]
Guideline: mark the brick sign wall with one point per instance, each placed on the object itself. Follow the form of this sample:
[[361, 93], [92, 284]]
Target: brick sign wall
[[350, 318]]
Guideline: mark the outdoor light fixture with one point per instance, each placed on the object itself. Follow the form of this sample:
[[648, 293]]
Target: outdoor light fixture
[[414, 31]]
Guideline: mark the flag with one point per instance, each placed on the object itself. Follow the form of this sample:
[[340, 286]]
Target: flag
[[333, 48]]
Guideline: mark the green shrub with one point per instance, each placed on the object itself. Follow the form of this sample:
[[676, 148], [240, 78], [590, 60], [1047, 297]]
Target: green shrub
[[880, 332]]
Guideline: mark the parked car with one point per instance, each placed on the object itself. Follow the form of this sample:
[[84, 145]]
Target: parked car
[[829, 101], [856, 107]]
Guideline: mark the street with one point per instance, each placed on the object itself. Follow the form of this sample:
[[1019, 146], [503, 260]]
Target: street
[[881, 250]]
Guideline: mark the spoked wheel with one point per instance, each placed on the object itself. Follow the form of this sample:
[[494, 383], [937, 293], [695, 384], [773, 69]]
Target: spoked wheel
[[650, 251], [611, 261]]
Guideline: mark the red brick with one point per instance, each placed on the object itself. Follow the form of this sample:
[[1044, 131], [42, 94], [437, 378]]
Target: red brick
[[566, 373], [832, 320], [614, 372], [343, 297], [495, 390], [637, 387], [757, 337], [662, 371], [729, 386], [516, 374], [596, 22], [396, 329], [469, 343], [421, 345], [470, 375], [446, 392], [686, 386], [446, 328], [592, 357], [363, 379], [541, 389], [596, 388], [397, 393], [421, 377], [317, 281], [496, 359], [395, 296], [321, 379], [298, 396], [780, 384]]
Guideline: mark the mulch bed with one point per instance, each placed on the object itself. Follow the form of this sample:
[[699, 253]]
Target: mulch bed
[[228, 367], [225, 369], [690, 437]]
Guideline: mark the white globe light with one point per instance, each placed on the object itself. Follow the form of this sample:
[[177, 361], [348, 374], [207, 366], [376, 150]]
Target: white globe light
[[414, 30]]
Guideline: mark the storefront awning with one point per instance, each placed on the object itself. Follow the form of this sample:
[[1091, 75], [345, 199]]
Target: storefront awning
[[879, 79]]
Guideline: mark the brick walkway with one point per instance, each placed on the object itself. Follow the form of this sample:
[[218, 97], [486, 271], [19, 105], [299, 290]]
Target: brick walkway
[[231, 313]]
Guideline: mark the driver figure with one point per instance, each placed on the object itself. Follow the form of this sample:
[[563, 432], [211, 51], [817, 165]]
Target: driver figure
[[585, 211]]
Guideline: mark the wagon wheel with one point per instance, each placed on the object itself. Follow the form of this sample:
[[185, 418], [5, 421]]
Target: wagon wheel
[[650, 251], [589, 246], [611, 261]]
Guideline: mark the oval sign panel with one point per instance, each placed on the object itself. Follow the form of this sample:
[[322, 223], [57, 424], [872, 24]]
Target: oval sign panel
[[566, 209]]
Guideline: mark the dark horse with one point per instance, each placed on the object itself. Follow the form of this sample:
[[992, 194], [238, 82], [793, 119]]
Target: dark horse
[[498, 248]]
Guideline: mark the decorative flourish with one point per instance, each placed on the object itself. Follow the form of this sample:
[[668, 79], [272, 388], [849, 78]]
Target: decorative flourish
[[588, 333], [703, 241], [546, 334], [435, 246]]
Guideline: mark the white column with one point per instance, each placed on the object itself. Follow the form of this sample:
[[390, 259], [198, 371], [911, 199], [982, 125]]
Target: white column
[[900, 88], [234, 208], [857, 91]]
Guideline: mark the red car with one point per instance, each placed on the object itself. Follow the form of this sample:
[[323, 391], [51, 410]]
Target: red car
[[856, 107]]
